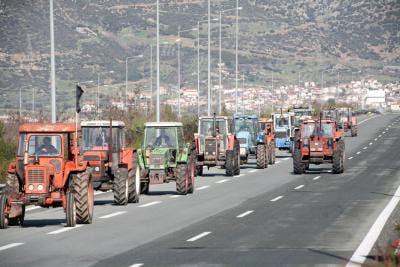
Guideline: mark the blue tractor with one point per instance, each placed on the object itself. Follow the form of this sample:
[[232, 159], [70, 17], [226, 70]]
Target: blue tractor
[[284, 130], [246, 128]]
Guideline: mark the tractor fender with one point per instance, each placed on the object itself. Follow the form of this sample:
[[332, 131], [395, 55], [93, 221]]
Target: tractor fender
[[12, 167], [141, 161], [196, 143], [231, 142], [70, 168], [183, 156], [127, 158]]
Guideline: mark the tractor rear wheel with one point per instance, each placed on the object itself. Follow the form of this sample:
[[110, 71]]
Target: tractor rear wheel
[[121, 186], [338, 158], [3, 215], [199, 170], [144, 188], [298, 166], [261, 156], [230, 163], [84, 197], [71, 208], [272, 154], [134, 185], [192, 171], [182, 179], [237, 160], [12, 184]]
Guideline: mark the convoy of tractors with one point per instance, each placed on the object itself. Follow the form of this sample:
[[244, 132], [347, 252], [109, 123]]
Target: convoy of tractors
[[62, 164]]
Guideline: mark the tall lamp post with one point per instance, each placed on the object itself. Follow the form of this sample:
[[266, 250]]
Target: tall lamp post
[[158, 62], [52, 63]]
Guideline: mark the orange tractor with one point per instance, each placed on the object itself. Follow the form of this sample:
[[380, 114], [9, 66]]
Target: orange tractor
[[48, 172], [113, 164], [318, 142], [265, 143]]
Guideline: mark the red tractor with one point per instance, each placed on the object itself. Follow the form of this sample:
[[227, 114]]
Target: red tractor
[[265, 143], [346, 120], [215, 146], [48, 172], [318, 143], [113, 164]]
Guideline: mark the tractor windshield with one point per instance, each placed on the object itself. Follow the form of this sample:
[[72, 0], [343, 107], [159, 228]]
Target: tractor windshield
[[327, 130], [308, 130], [44, 145], [206, 127], [282, 121], [245, 125], [160, 137], [97, 138]]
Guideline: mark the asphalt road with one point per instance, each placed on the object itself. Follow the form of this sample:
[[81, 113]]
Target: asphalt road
[[265, 217]]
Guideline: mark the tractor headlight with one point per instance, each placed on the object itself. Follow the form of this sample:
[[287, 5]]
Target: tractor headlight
[[40, 187], [97, 169], [31, 187]]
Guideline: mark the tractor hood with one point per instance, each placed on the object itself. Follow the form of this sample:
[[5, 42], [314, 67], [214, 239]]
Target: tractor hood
[[158, 158]]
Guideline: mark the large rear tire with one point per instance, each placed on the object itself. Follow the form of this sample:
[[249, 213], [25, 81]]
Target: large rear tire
[[71, 209], [121, 186], [182, 179], [3, 215], [12, 183], [298, 166], [192, 171], [84, 197], [199, 170], [237, 159], [230, 163], [338, 158], [134, 185], [261, 156], [272, 154]]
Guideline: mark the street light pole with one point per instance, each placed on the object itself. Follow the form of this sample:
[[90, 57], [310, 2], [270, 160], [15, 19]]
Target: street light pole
[[237, 46], [209, 60], [198, 69], [151, 76], [52, 63], [98, 94], [243, 93], [33, 100], [220, 64], [179, 71], [158, 62], [20, 103]]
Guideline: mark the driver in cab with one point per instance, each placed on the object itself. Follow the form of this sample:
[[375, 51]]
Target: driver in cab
[[47, 148], [163, 140]]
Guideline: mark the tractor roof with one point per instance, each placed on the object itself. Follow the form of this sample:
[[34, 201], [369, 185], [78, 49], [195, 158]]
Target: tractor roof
[[47, 128], [211, 117], [245, 116], [103, 123], [163, 124]]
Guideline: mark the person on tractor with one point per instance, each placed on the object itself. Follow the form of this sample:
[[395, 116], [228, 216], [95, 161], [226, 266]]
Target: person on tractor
[[101, 139], [163, 140], [47, 148]]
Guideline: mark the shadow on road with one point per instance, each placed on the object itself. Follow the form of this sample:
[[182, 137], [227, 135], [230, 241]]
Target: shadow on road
[[42, 222]]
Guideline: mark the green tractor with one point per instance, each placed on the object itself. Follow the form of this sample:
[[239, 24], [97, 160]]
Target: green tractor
[[164, 157]]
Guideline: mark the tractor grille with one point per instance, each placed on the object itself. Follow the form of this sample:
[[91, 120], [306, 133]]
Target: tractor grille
[[156, 160], [211, 146], [280, 135], [242, 140], [36, 176]]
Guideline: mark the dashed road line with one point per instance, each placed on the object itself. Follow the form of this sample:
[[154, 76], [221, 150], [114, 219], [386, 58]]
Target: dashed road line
[[240, 175], [276, 199], [203, 187], [276, 162], [380, 135], [65, 229], [244, 214], [252, 171], [299, 187], [113, 214], [358, 153], [351, 158], [316, 178], [371, 144], [176, 196], [137, 265], [150, 204], [365, 147], [12, 245], [197, 237], [376, 139], [221, 181], [383, 132]]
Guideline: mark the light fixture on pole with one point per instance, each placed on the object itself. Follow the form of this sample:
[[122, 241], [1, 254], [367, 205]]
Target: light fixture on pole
[[52, 64], [158, 62]]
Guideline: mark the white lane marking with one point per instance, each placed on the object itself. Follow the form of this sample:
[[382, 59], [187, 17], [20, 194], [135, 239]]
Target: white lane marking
[[65, 229], [12, 245], [365, 147], [98, 193], [380, 135], [375, 139], [299, 187], [276, 162], [276, 199], [369, 240], [286, 158], [240, 175], [149, 204], [383, 132], [245, 214], [113, 214], [221, 181], [203, 187], [197, 237], [33, 208], [175, 196], [351, 157], [387, 129], [358, 153], [137, 265], [371, 144], [316, 178], [252, 171], [361, 122]]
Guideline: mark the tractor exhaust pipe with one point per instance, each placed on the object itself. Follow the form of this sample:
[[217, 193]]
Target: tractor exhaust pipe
[[214, 133], [110, 145]]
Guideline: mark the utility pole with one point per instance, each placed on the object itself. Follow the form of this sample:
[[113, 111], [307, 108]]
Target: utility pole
[[198, 69], [98, 94], [52, 63], [179, 71], [158, 62], [243, 93], [151, 77], [20, 103], [220, 64], [33, 100], [209, 60], [237, 47], [272, 91]]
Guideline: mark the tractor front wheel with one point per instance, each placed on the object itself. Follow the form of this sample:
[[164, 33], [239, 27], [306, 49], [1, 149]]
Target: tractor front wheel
[[338, 158], [237, 160], [230, 163], [84, 197], [298, 166], [71, 209], [3, 210], [182, 179], [121, 186], [192, 171], [272, 154], [134, 185], [261, 156]]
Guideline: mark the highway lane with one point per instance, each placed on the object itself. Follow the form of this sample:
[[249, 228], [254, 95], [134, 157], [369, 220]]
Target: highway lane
[[117, 230]]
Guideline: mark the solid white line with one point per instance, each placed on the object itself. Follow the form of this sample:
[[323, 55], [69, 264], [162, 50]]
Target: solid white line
[[12, 245], [175, 196], [316, 178], [369, 240], [361, 122], [252, 171], [203, 187], [351, 158], [197, 237], [358, 153], [65, 229], [137, 265], [112, 214], [33, 208], [221, 181], [245, 214], [150, 204], [276, 199], [299, 187]]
